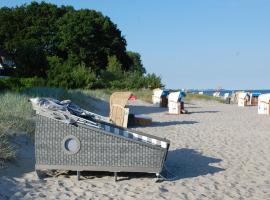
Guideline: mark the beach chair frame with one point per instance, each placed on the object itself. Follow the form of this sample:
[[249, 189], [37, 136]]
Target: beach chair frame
[[112, 149]]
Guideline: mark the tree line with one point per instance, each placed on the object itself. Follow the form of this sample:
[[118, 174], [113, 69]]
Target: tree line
[[70, 48]]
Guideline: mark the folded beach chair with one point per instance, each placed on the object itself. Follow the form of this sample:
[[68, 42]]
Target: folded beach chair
[[70, 138]]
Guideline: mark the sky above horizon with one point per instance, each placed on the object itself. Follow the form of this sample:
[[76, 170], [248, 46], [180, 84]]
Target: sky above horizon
[[191, 43]]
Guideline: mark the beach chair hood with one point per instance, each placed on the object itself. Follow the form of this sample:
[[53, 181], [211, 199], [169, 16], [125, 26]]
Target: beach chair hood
[[264, 97], [174, 96]]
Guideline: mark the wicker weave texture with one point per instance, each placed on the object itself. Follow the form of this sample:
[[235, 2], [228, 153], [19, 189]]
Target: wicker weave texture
[[97, 148]]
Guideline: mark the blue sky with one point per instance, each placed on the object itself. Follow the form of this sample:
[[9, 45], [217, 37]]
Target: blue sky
[[193, 43]]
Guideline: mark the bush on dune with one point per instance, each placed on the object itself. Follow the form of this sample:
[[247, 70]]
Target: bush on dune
[[19, 84]]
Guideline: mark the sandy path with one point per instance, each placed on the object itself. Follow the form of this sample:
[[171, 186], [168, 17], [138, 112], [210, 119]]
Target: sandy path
[[217, 152]]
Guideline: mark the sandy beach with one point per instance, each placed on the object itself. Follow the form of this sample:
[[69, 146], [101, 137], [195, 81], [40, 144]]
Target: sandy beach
[[217, 151]]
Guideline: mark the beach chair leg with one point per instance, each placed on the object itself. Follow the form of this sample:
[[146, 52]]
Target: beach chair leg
[[115, 176], [40, 174], [157, 177], [78, 175]]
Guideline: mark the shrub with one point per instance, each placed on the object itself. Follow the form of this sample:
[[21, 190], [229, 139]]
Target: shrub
[[19, 84], [69, 74]]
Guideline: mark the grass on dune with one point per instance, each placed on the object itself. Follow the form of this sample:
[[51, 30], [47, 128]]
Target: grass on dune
[[191, 96], [16, 114], [145, 95]]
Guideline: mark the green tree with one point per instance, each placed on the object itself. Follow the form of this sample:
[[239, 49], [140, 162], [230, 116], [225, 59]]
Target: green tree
[[68, 74], [90, 37], [136, 63], [72, 48]]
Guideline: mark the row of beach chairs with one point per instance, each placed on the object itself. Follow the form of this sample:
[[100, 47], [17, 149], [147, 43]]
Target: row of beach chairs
[[173, 100], [243, 99]]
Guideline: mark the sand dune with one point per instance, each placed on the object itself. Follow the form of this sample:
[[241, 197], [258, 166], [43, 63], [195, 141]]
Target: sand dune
[[217, 152]]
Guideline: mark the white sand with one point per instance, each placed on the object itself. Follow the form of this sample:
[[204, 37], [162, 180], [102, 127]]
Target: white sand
[[217, 152]]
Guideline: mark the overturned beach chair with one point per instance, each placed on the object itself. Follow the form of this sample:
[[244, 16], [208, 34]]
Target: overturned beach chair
[[159, 97], [70, 138], [264, 104]]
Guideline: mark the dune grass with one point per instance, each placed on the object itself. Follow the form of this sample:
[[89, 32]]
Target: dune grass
[[17, 116], [143, 94], [99, 94], [191, 96]]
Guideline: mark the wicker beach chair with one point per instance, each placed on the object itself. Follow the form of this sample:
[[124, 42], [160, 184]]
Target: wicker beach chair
[[85, 142]]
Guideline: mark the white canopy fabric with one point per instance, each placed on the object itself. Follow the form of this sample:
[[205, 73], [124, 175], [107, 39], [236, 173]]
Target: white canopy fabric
[[242, 95], [264, 97], [174, 96], [157, 92]]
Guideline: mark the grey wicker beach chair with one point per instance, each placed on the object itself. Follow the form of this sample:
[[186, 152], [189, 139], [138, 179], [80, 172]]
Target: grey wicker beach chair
[[66, 141]]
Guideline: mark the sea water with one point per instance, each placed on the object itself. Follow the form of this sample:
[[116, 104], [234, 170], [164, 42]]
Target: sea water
[[222, 92]]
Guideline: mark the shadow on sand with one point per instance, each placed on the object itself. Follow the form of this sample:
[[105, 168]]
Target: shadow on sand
[[207, 111], [180, 163], [139, 110], [164, 124], [103, 108], [171, 123], [188, 163], [24, 163]]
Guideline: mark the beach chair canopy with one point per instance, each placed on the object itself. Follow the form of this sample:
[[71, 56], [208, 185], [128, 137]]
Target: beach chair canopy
[[243, 95], [226, 95], [255, 94], [174, 96], [120, 98], [264, 97], [159, 92], [118, 111]]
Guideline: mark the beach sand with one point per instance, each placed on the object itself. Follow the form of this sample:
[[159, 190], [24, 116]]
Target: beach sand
[[218, 151]]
